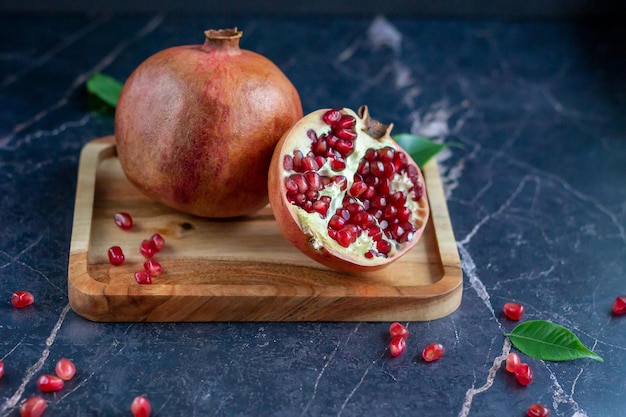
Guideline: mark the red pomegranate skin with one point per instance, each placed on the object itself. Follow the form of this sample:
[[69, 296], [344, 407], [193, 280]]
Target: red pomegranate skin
[[196, 126]]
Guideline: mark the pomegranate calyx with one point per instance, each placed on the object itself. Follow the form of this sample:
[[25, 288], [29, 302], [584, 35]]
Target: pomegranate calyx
[[373, 128], [222, 39]]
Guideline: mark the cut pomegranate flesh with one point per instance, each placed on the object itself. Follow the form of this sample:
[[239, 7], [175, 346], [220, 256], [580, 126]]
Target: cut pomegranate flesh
[[65, 369], [21, 299], [397, 346], [524, 374], [537, 410], [398, 330], [123, 220], [49, 383], [141, 407], [433, 352], [351, 187], [33, 407], [116, 255], [513, 311], [619, 305]]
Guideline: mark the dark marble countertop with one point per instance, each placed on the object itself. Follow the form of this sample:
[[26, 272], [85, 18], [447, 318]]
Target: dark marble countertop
[[536, 194]]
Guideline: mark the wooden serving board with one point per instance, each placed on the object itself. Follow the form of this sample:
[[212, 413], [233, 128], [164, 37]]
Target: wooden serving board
[[239, 270]]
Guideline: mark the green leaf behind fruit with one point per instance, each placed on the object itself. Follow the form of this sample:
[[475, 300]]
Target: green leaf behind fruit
[[545, 340], [105, 87], [420, 148]]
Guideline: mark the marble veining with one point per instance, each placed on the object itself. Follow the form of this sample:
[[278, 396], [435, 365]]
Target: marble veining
[[535, 192]]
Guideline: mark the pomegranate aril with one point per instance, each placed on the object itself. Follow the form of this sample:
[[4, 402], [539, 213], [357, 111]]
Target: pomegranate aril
[[288, 163], [21, 299], [433, 352], [116, 255], [512, 360], [537, 410], [346, 122], [336, 222], [158, 242], [309, 164], [147, 248], [340, 181], [619, 305], [297, 160], [142, 277], [314, 180], [397, 346], [344, 147], [398, 330], [65, 369], [331, 116], [379, 202], [345, 237], [513, 311], [404, 214], [33, 407], [524, 374], [320, 207], [141, 407], [152, 267], [385, 154], [49, 383], [358, 188], [1, 368], [123, 220], [347, 134], [383, 247], [319, 147]]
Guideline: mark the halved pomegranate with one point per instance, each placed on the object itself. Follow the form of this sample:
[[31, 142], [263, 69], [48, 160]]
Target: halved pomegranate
[[345, 193]]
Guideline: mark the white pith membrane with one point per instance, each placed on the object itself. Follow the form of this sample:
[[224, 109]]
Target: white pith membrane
[[314, 224]]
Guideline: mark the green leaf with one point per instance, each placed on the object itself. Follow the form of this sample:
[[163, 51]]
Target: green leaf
[[420, 148], [105, 87], [545, 340]]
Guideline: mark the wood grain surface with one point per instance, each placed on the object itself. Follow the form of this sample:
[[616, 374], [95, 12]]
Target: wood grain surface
[[242, 269]]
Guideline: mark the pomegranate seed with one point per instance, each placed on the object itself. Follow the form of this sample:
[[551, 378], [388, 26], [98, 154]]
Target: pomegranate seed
[[158, 242], [345, 237], [65, 369], [358, 188], [320, 207], [524, 374], [297, 160], [21, 299], [386, 154], [1, 368], [383, 246], [398, 330], [347, 134], [512, 361], [33, 407], [331, 117], [314, 180], [433, 352], [346, 122], [49, 383], [537, 410], [116, 255], [142, 277], [309, 164], [344, 147], [336, 222], [397, 346], [513, 311], [123, 220], [619, 305], [152, 267], [140, 407], [288, 163], [147, 248]]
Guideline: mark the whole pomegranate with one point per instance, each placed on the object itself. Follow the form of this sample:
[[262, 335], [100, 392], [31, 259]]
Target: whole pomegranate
[[345, 193], [196, 125]]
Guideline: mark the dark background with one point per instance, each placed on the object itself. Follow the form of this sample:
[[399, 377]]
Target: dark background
[[579, 9]]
